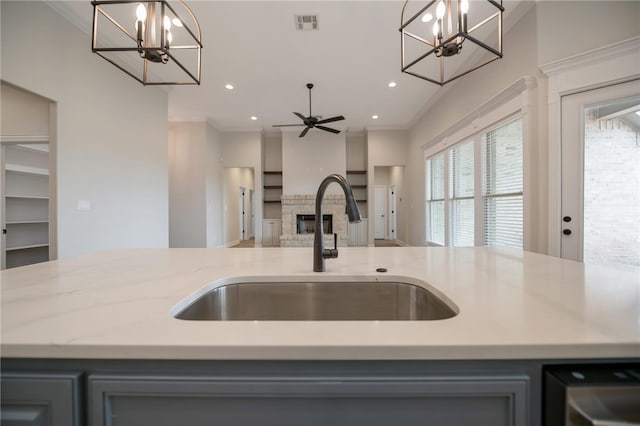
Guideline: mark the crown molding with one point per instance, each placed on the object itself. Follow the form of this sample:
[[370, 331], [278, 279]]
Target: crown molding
[[631, 45]]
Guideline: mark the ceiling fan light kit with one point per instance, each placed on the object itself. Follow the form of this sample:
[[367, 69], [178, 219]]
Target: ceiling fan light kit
[[312, 122], [432, 46], [155, 42]]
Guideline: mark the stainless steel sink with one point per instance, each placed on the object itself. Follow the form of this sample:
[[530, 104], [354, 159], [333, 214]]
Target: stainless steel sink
[[317, 301]]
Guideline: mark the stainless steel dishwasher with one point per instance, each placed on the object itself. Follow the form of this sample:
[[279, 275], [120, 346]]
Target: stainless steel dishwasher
[[592, 395]]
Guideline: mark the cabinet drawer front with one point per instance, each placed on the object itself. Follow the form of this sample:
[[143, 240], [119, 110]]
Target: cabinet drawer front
[[40, 399], [135, 400]]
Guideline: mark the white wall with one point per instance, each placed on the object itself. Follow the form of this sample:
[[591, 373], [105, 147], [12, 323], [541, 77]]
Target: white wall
[[565, 28], [307, 161], [187, 184], [28, 114], [195, 185], [356, 151], [244, 150], [214, 173], [111, 133]]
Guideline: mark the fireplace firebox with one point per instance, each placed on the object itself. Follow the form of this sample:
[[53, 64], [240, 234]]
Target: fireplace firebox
[[305, 223]]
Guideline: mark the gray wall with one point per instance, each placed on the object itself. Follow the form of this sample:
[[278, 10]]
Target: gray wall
[[111, 133]]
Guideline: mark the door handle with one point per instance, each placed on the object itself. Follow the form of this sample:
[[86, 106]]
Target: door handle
[[566, 231]]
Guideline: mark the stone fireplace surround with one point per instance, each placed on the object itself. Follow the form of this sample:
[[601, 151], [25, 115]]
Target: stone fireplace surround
[[293, 205]]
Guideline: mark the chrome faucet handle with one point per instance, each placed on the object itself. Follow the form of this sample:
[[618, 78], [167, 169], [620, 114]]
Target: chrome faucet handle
[[332, 253]]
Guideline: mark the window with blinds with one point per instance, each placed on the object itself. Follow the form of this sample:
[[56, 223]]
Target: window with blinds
[[475, 190], [435, 200], [461, 195], [503, 183]]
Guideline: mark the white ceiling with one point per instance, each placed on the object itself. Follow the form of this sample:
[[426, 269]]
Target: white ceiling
[[255, 46]]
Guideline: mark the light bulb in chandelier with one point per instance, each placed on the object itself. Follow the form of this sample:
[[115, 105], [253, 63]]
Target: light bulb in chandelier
[[141, 12], [464, 6], [141, 16], [440, 10]]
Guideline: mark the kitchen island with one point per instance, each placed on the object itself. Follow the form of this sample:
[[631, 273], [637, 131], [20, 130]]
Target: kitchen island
[[105, 322]]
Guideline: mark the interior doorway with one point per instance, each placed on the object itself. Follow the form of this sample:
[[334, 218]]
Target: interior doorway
[[379, 212], [238, 205], [388, 209], [27, 178]]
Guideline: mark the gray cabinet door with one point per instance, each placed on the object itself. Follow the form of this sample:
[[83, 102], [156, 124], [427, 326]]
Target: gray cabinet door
[[32, 399], [198, 401]]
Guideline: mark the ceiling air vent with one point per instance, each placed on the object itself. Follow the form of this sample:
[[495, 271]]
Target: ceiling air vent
[[306, 22]]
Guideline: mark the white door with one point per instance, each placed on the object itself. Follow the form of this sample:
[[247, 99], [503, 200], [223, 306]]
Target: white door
[[393, 212], [252, 214], [601, 175], [241, 215], [380, 209]]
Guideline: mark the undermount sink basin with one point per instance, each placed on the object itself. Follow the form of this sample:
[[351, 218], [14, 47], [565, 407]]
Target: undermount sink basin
[[317, 301]]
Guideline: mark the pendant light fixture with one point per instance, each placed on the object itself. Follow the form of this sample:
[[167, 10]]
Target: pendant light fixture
[[434, 33], [155, 42]]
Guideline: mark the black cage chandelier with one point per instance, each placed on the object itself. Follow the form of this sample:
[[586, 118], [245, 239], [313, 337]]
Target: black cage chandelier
[[443, 40], [155, 42]]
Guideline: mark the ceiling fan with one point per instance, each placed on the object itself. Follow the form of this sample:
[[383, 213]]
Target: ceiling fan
[[311, 122]]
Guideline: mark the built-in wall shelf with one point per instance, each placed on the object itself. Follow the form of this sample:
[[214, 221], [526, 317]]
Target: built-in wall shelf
[[17, 168], [29, 197], [25, 222], [32, 246], [358, 181], [272, 186], [26, 200]]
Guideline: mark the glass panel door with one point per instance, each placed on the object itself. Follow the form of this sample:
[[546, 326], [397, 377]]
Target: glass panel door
[[601, 175]]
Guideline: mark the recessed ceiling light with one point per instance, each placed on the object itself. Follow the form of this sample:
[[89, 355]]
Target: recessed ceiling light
[[392, 84], [427, 17], [375, 117], [228, 86], [638, 113], [177, 22], [254, 118]]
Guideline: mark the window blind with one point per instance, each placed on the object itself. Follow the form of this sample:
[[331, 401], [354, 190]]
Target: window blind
[[435, 200], [503, 183], [461, 193]]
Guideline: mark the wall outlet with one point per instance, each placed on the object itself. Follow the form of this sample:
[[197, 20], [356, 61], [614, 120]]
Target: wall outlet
[[84, 205]]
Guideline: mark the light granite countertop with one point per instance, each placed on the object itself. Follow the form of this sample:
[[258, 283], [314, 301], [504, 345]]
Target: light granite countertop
[[512, 305]]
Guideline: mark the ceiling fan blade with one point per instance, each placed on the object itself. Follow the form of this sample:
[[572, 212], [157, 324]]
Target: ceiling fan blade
[[304, 132], [330, 120], [288, 125], [302, 117], [327, 129]]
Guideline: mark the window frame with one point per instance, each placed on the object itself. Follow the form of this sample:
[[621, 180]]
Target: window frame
[[519, 98], [479, 194]]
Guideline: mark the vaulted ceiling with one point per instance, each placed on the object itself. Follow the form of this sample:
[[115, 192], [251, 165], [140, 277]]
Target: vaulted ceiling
[[255, 46]]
